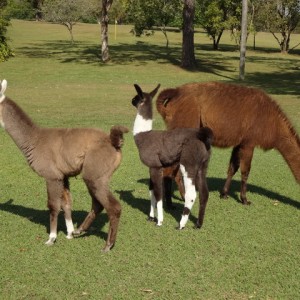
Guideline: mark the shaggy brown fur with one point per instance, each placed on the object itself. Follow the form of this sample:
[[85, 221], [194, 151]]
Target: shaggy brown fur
[[188, 147], [239, 116], [57, 154]]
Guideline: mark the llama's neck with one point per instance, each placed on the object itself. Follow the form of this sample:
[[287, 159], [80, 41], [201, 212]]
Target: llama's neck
[[288, 144], [141, 124], [19, 126]]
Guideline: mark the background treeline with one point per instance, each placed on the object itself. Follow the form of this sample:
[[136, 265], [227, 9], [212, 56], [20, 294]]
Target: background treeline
[[281, 18]]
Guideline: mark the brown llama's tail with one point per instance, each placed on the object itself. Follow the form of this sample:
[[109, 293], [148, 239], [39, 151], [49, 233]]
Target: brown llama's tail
[[163, 98], [205, 134], [116, 136]]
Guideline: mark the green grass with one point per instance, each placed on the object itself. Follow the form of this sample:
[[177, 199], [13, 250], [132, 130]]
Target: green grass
[[240, 253]]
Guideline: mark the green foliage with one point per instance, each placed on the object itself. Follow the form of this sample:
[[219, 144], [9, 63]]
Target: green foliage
[[18, 9], [5, 50], [145, 14], [217, 15]]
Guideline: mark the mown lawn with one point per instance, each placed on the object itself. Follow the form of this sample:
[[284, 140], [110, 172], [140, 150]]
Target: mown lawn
[[240, 253]]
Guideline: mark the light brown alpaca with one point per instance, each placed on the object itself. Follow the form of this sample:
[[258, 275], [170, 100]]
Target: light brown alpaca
[[57, 154], [240, 117]]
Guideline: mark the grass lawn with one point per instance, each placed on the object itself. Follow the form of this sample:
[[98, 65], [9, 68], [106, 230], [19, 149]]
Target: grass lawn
[[240, 253]]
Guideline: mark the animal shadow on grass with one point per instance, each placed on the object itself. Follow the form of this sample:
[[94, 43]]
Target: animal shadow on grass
[[41, 217], [214, 184]]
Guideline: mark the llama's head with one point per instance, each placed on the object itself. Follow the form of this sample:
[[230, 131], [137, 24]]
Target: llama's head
[[143, 98], [143, 103]]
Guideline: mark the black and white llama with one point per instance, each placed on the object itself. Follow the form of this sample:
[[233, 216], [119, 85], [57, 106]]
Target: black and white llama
[[190, 148]]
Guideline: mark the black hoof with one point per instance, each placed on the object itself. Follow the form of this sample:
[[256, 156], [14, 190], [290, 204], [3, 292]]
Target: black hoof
[[152, 219]]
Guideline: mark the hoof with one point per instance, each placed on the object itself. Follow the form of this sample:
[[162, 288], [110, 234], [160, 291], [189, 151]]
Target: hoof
[[69, 236], [179, 228], [107, 248], [76, 232], [50, 242], [198, 226], [246, 202], [158, 224], [152, 219], [223, 195]]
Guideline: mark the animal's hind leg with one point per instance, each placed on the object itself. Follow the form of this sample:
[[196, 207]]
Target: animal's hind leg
[[232, 169], [100, 193], [156, 194], [246, 158], [55, 190], [67, 208], [97, 207], [203, 190], [190, 195]]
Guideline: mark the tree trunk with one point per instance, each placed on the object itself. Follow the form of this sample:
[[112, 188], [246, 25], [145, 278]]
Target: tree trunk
[[106, 5], [243, 39], [188, 60]]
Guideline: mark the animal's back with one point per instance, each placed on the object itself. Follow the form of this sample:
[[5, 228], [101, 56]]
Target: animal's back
[[234, 113]]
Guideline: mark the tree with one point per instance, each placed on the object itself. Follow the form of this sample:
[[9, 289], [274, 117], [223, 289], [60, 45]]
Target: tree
[[145, 14], [65, 12], [5, 50], [217, 15], [280, 16], [106, 5], [243, 38], [188, 60]]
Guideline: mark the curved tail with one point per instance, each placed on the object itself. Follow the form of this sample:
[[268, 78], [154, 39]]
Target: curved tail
[[163, 98], [205, 134], [116, 136]]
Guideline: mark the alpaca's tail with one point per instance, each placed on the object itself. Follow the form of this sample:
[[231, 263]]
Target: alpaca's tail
[[116, 136], [163, 98], [205, 134]]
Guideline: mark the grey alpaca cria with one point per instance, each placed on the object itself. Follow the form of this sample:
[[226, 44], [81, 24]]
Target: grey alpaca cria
[[59, 153], [190, 148]]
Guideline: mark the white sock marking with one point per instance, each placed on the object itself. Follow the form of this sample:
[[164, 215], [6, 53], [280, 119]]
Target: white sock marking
[[160, 213], [190, 195], [70, 228], [3, 88]]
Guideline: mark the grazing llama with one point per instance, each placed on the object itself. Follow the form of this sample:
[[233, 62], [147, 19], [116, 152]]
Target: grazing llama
[[57, 154], [190, 148], [240, 117]]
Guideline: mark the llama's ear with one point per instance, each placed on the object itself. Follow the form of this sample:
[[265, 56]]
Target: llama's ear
[[139, 91], [3, 85], [153, 93]]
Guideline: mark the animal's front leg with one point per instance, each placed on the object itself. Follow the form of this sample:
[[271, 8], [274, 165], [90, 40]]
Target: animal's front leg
[[55, 189], [190, 197], [156, 194]]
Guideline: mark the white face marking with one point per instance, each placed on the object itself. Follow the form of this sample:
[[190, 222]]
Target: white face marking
[[70, 228], [141, 124]]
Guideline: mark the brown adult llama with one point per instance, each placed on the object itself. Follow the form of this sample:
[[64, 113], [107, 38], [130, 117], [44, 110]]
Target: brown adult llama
[[57, 154], [240, 117]]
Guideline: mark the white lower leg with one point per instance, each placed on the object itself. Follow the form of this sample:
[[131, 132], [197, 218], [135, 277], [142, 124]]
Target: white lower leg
[[52, 238], [190, 197], [70, 228], [160, 214]]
